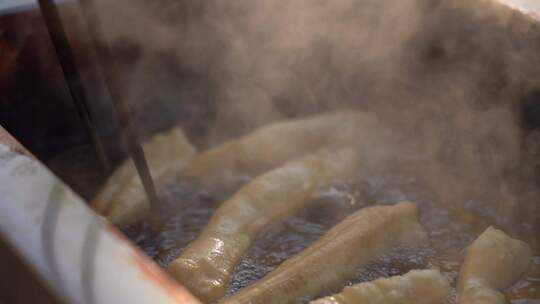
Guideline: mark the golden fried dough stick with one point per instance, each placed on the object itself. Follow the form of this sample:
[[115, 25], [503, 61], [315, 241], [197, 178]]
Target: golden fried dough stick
[[207, 264], [221, 168], [273, 145], [118, 180], [494, 261], [361, 237], [414, 287], [123, 200]]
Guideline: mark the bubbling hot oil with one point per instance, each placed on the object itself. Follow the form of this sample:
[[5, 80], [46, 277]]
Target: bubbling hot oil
[[188, 208]]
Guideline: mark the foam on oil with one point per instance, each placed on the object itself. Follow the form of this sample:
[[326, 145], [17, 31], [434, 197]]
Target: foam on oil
[[187, 209]]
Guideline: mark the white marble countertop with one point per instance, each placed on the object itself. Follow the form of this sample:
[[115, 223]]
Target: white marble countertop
[[77, 253]]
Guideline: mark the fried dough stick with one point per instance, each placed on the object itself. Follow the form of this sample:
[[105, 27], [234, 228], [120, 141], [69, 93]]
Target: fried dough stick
[[222, 168], [207, 264], [414, 287], [166, 153], [361, 237], [274, 144], [494, 261]]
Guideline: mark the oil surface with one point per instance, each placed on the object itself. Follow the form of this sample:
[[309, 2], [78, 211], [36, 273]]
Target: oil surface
[[188, 208]]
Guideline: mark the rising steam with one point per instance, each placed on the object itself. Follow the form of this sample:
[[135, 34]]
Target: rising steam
[[446, 78]]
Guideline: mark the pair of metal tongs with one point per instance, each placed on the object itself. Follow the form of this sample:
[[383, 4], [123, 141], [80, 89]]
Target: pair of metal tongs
[[109, 69]]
